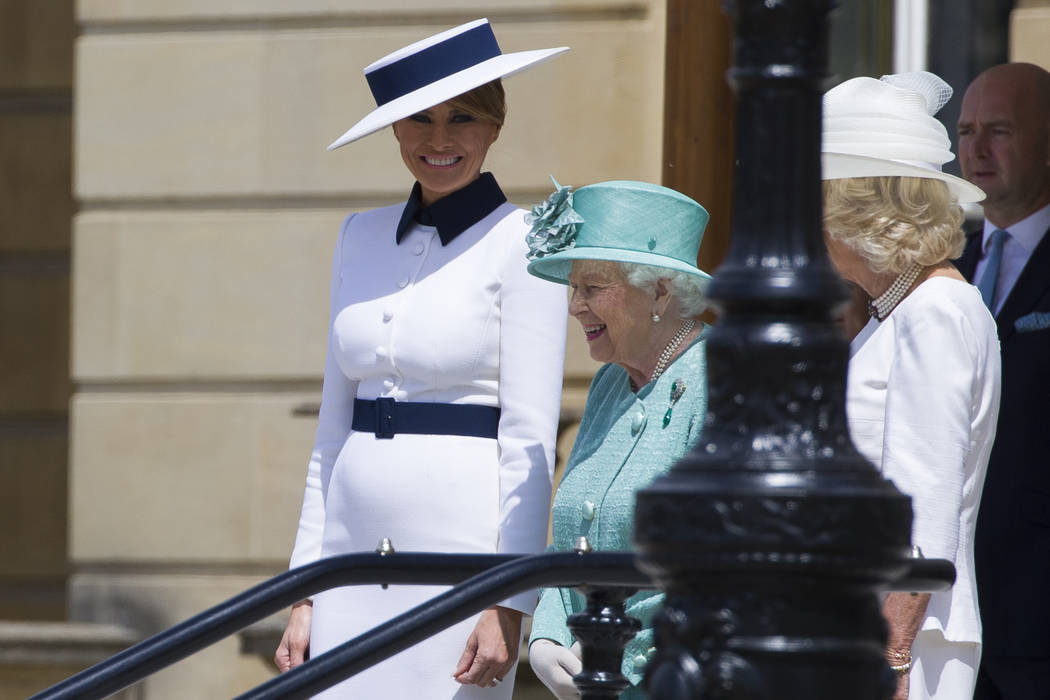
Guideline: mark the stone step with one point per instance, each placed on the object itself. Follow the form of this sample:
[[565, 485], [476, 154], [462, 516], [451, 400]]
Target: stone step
[[36, 655]]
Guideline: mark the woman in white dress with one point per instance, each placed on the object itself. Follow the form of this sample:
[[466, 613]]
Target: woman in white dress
[[437, 424], [923, 384]]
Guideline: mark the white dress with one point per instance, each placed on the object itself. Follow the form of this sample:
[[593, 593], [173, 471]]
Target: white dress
[[462, 323], [922, 403]]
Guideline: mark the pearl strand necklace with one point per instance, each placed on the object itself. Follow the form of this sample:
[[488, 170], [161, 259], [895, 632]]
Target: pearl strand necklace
[[665, 356], [880, 308]]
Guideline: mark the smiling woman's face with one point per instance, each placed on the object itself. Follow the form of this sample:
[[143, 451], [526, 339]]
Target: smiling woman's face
[[614, 314], [444, 148]]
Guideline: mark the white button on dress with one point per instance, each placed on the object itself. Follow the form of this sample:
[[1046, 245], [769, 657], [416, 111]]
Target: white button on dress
[[637, 422]]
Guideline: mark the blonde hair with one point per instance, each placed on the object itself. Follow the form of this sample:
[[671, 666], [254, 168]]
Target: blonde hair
[[486, 102], [894, 221]]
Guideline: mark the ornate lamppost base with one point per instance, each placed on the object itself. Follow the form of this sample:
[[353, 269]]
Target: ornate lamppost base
[[773, 536]]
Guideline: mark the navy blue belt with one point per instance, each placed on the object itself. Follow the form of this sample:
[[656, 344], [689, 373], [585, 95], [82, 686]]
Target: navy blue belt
[[386, 417]]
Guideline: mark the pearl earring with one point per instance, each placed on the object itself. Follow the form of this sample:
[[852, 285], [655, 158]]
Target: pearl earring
[[656, 317]]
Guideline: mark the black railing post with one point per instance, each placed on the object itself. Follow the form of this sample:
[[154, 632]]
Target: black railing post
[[772, 536], [603, 629]]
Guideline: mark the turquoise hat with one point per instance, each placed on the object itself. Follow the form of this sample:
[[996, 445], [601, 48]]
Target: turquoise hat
[[621, 221]]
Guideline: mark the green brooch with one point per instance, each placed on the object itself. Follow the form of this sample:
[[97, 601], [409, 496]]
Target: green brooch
[[677, 389]]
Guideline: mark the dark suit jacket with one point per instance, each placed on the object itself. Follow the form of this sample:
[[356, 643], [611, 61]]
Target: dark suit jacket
[[1012, 543]]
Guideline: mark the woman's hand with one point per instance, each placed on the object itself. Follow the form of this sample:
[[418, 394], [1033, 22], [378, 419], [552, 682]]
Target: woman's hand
[[555, 666], [294, 648], [902, 687], [904, 613], [492, 648]]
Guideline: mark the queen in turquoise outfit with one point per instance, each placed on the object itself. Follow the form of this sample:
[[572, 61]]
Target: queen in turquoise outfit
[[628, 251]]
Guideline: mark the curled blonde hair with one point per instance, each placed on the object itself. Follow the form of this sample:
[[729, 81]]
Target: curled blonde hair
[[894, 221]]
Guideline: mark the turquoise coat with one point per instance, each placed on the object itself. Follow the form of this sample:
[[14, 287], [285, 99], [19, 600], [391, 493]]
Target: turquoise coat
[[623, 445]]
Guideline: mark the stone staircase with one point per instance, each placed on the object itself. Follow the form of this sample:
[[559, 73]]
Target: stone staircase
[[36, 655]]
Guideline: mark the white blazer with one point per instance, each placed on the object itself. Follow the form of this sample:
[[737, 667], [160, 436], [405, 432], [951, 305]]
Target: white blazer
[[922, 403]]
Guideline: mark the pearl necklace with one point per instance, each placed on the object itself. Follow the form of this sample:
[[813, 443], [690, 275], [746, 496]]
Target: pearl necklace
[[880, 308], [665, 356]]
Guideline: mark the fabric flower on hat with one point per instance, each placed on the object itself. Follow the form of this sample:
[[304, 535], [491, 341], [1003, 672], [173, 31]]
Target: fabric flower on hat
[[554, 224]]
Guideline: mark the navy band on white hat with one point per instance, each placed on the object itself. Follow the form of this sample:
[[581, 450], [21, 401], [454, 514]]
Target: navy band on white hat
[[416, 70], [436, 69]]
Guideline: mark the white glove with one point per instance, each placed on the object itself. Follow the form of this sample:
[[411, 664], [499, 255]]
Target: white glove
[[555, 666]]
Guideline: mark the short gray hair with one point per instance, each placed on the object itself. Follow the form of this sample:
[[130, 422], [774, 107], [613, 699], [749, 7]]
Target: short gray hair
[[688, 291]]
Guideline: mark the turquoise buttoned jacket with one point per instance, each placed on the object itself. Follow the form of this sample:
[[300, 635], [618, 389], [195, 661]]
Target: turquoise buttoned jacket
[[623, 444]]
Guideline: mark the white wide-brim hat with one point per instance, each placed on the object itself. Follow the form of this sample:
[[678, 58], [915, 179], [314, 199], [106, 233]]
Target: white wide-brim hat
[[437, 69], [886, 127]]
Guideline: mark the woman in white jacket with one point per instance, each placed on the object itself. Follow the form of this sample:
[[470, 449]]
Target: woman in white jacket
[[922, 394], [437, 423]]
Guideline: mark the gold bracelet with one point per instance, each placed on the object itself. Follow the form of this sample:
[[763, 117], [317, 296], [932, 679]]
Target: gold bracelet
[[900, 662]]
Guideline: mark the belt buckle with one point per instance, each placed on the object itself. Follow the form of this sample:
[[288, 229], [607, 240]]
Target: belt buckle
[[385, 410]]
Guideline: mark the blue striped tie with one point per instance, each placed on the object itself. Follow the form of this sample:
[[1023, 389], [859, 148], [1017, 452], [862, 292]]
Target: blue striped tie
[[991, 268]]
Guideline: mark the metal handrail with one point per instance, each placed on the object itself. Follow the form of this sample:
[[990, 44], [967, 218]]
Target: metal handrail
[[416, 568], [486, 579], [448, 608], [596, 569], [227, 618]]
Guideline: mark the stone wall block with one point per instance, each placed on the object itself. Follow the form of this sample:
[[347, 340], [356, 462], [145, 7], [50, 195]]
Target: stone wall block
[[1029, 28], [187, 477], [202, 294]]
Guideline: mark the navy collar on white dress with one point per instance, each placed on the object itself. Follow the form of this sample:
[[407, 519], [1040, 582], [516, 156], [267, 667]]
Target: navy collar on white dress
[[455, 212]]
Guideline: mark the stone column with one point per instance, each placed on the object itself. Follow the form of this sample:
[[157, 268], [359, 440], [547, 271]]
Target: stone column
[[36, 203]]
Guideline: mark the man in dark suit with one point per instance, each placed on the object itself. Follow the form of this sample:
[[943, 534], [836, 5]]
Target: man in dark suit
[[1004, 148]]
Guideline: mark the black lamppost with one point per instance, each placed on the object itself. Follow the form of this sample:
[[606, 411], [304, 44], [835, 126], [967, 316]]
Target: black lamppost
[[773, 535]]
